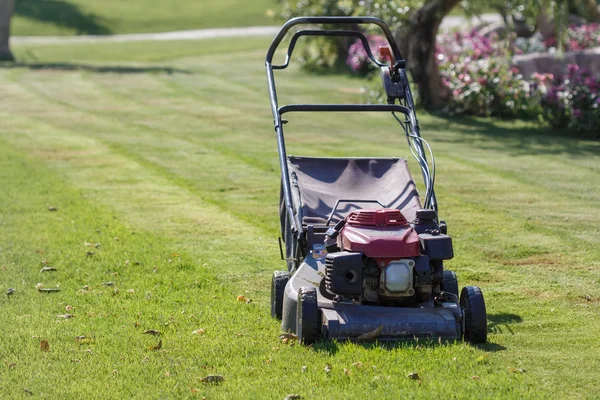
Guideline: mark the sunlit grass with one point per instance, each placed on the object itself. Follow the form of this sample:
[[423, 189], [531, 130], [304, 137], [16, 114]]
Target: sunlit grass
[[180, 165]]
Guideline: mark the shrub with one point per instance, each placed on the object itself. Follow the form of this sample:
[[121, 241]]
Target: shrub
[[577, 38], [483, 82], [572, 102]]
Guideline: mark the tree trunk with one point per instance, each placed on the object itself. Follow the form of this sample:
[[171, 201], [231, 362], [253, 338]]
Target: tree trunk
[[6, 11], [420, 55]]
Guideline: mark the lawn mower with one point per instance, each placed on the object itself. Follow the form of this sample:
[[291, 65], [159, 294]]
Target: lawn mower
[[365, 257]]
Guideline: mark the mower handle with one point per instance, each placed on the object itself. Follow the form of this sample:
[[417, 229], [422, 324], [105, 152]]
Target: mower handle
[[336, 33], [333, 21]]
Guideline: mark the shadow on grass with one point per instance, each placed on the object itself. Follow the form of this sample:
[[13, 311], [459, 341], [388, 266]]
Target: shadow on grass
[[499, 322], [331, 347], [63, 14], [521, 141], [117, 69]]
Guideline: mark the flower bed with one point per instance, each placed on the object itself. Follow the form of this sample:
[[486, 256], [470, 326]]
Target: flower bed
[[479, 71]]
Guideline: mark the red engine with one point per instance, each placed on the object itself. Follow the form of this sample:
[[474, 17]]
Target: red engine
[[379, 234]]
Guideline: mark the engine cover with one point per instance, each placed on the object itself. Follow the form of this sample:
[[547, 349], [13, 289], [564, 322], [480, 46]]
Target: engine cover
[[379, 234]]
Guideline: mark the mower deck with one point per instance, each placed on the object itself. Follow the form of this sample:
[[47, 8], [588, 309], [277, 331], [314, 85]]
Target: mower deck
[[348, 321]]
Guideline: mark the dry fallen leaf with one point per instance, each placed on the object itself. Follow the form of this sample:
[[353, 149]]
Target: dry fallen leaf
[[347, 371], [157, 347], [167, 373], [239, 334], [48, 290], [48, 269], [241, 298], [475, 377], [131, 291], [44, 345], [517, 370], [12, 365], [69, 308], [151, 332], [371, 335], [200, 331], [288, 336], [212, 379], [357, 364], [115, 372], [482, 358], [414, 375]]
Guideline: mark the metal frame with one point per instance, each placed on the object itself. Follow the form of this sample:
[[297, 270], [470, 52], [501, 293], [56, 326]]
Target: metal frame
[[410, 125]]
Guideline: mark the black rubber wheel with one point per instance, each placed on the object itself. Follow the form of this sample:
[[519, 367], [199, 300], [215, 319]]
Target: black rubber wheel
[[450, 282], [473, 306], [280, 279], [307, 316]]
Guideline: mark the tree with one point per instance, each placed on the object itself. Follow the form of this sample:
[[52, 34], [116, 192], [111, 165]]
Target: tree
[[421, 31], [6, 9]]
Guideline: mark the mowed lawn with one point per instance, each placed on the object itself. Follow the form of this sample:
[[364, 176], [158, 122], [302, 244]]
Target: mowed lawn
[[77, 17], [160, 160]]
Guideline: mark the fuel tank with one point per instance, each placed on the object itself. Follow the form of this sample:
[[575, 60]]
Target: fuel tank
[[379, 234]]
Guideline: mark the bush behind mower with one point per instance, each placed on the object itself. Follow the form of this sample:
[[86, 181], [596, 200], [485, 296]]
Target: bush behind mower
[[365, 257]]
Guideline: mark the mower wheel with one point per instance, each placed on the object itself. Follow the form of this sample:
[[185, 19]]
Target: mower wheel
[[473, 306], [450, 282], [280, 279], [307, 316]]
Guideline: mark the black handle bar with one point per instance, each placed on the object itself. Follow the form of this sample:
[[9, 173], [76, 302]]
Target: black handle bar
[[343, 108], [333, 21]]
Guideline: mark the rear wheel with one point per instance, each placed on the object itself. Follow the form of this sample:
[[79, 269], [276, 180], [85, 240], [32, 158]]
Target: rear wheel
[[450, 282], [307, 316], [473, 306], [280, 279]]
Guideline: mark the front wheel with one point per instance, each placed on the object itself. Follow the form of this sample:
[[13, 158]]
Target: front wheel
[[475, 318], [307, 316]]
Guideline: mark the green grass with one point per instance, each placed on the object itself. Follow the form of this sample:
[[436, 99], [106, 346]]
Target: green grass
[[152, 144], [76, 17]]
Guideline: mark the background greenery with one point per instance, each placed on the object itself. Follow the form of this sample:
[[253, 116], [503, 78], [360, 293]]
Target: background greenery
[[76, 17]]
